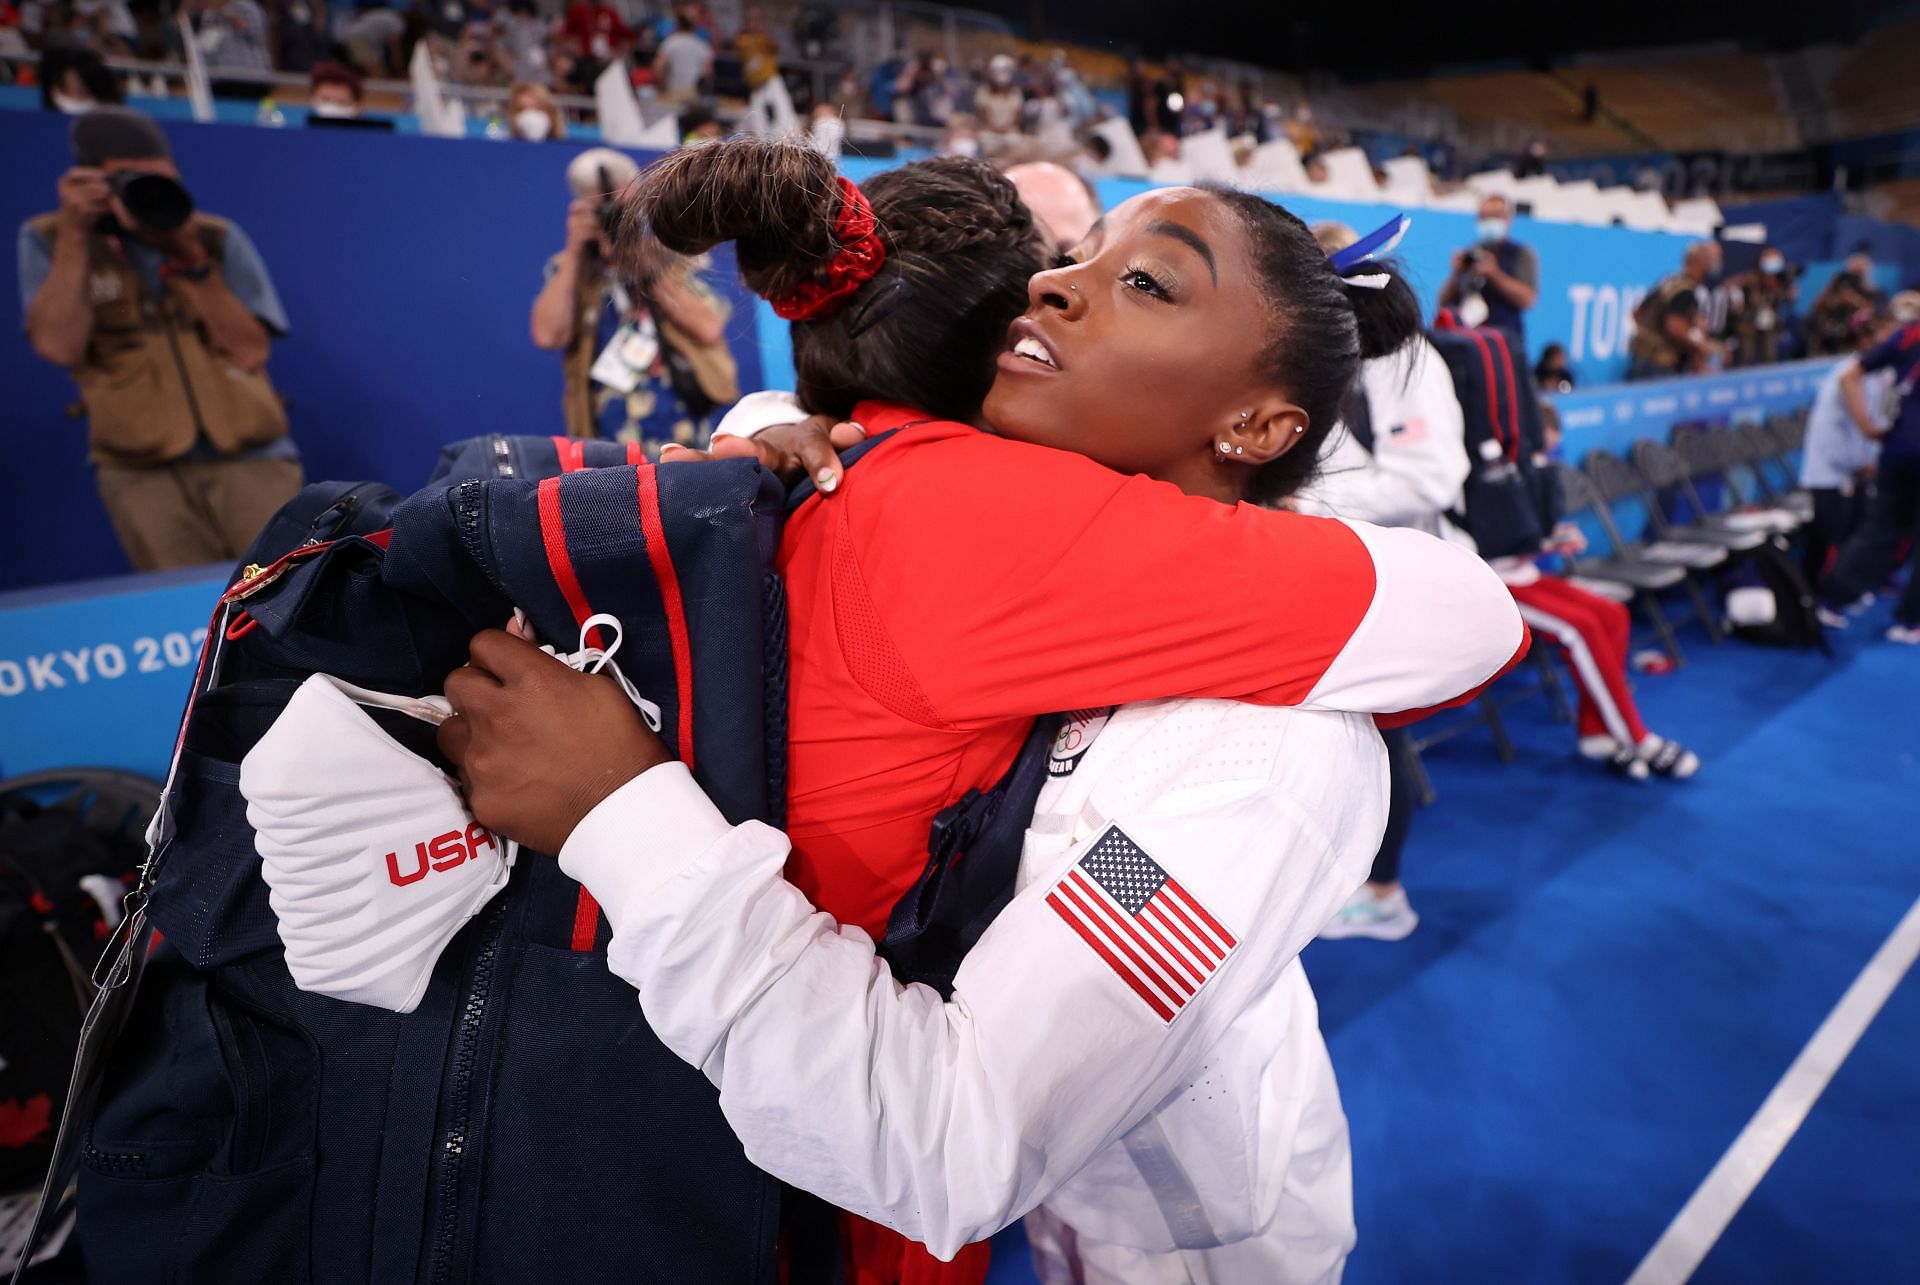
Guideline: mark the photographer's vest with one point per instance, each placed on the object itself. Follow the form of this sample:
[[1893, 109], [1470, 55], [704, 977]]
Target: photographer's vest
[[152, 382], [1651, 345], [711, 365]]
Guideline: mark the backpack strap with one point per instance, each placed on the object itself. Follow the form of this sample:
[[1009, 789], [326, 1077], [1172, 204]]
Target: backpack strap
[[973, 861]]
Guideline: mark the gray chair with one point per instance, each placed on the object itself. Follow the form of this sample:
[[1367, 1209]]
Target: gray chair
[[1704, 452], [1666, 474], [1487, 711], [1646, 580]]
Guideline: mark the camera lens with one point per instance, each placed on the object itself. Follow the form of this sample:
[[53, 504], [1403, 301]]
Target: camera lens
[[156, 202]]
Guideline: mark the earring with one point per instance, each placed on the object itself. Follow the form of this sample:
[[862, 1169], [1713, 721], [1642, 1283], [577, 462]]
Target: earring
[[1299, 428], [1239, 450], [1226, 448]]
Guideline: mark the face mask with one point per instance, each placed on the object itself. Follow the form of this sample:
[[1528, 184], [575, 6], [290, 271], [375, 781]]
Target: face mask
[[72, 106], [340, 111], [532, 124], [1772, 265], [371, 859], [1493, 229]]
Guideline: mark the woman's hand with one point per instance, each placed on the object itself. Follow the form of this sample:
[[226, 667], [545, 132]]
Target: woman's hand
[[788, 451], [538, 745]]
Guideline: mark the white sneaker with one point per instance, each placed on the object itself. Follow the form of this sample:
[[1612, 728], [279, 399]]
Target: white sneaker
[[1388, 918], [1908, 634]]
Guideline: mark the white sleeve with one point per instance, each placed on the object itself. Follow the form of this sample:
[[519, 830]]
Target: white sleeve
[[948, 1120], [1440, 621], [757, 412]]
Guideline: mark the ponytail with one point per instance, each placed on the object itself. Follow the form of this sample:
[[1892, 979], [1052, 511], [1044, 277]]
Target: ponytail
[[956, 248], [1322, 323]]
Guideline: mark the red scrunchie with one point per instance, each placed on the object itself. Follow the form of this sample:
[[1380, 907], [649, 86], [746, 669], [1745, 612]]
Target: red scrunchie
[[860, 256]]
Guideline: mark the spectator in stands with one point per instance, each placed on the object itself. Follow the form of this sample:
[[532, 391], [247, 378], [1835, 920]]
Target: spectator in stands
[[759, 51], [644, 342], [594, 30], [1552, 374], [684, 63], [1844, 308], [104, 26], [374, 40], [1838, 460], [232, 35], [335, 92], [1155, 101], [301, 36], [1495, 281], [1300, 129], [1766, 295], [1534, 163], [1890, 528], [167, 331], [75, 81], [999, 104], [849, 95], [532, 113], [1668, 336], [523, 35]]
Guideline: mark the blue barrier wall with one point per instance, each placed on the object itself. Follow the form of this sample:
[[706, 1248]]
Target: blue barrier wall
[[408, 266], [95, 675], [1614, 418]]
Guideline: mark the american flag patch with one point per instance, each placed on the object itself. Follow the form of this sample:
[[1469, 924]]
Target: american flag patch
[[1146, 927]]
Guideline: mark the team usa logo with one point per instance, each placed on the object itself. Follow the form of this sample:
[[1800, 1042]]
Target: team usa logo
[[442, 852], [1075, 739], [1141, 923]]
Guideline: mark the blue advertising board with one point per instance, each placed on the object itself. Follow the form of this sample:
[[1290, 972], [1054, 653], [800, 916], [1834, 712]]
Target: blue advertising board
[[95, 675]]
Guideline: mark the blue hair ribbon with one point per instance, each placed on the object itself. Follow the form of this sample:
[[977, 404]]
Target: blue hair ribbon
[[1375, 244]]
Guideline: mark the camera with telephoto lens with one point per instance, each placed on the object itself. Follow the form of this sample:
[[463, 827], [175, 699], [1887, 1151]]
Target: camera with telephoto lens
[[609, 207], [156, 202]]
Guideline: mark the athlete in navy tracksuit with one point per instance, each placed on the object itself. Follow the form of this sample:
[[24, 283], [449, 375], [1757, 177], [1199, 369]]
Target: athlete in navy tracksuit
[[1870, 556]]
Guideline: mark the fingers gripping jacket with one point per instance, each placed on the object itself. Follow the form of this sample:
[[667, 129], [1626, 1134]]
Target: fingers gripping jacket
[[371, 859]]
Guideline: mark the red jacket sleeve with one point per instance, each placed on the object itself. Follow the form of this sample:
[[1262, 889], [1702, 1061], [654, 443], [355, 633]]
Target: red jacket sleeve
[[1015, 580]]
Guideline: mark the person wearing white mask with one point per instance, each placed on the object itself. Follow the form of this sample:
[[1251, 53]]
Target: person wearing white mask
[[73, 81], [335, 92], [1766, 295], [1495, 280], [533, 115]]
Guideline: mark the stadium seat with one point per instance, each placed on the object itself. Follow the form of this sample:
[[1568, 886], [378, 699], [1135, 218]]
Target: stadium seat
[[1628, 565], [1666, 476]]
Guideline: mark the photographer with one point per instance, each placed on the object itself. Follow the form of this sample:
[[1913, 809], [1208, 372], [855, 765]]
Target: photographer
[[644, 341], [1844, 309], [1495, 281], [165, 316], [1766, 294], [1669, 336]]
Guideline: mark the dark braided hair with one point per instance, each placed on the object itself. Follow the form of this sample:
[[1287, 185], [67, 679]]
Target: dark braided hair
[[1320, 328], [926, 329]]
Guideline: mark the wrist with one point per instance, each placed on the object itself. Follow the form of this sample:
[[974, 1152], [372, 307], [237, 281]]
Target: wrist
[[195, 268]]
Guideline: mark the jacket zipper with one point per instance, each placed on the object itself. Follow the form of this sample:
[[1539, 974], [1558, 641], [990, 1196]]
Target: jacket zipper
[[466, 1055], [180, 364]]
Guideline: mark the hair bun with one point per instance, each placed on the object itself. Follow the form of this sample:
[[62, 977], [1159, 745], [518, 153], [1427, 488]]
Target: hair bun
[[776, 201]]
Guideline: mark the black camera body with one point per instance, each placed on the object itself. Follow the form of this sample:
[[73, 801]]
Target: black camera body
[[156, 202]]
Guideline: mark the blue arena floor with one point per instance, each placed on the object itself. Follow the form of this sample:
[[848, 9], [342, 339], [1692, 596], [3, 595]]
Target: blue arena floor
[[1609, 978]]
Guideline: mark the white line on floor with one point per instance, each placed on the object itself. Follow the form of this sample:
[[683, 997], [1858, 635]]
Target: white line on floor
[[1699, 1225]]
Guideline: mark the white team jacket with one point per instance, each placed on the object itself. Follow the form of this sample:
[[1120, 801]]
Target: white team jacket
[[1046, 1077], [1418, 464]]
